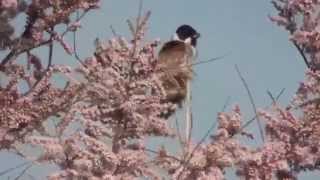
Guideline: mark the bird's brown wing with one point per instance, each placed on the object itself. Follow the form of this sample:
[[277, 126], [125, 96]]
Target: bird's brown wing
[[174, 66], [175, 53]]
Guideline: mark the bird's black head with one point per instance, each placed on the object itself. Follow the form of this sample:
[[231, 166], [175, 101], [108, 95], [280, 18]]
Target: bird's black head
[[187, 33]]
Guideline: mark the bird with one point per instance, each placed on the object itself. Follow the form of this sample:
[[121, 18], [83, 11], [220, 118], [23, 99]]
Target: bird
[[175, 61]]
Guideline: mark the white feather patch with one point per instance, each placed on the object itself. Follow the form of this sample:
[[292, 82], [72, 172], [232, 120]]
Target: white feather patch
[[176, 37], [188, 40]]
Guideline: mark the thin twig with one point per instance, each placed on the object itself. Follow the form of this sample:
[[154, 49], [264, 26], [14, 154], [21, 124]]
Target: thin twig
[[271, 97], [16, 52], [139, 15], [194, 64], [31, 177], [76, 55], [188, 158], [302, 54], [275, 99], [253, 118], [77, 19], [75, 47], [247, 124], [2, 173], [226, 104], [251, 101], [23, 172], [50, 49], [75, 42], [137, 27], [204, 137], [113, 31], [50, 41], [209, 130], [210, 60], [281, 92], [156, 152], [202, 62]]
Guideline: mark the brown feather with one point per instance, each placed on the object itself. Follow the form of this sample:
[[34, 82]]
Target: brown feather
[[173, 64]]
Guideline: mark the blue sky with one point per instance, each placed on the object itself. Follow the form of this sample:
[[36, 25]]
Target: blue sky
[[240, 28]]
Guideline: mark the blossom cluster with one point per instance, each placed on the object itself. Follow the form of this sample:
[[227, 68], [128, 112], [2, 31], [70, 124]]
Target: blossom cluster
[[115, 100], [115, 97], [301, 19]]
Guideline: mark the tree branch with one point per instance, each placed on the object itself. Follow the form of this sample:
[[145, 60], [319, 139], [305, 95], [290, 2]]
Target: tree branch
[[251, 101], [253, 118], [15, 52], [2, 173], [187, 159], [75, 45], [23, 172], [300, 50], [50, 50]]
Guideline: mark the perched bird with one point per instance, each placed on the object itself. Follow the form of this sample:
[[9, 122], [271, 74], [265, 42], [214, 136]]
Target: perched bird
[[174, 62]]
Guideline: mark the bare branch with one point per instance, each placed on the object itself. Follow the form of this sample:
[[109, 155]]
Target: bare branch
[[31, 177], [210, 60], [271, 97], [137, 29], [281, 92], [251, 100], [23, 172], [15, 53], [2, 173], [211, 128], [301, 51], [203, 138], [113, 31], [197, 63], [50, 49], [253, 118], [139, 15], [76, 55], [226, 104], [275, 99], [169, 156]]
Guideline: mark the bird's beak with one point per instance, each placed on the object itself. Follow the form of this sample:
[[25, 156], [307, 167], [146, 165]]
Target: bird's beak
[[197, 35]]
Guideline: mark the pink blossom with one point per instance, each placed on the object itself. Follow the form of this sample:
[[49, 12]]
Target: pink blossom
[[64, 44], [279, 20], [74, 26], [9, 4], [96, 125]]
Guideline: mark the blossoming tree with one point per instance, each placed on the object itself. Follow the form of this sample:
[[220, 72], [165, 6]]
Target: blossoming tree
[[115, 99]]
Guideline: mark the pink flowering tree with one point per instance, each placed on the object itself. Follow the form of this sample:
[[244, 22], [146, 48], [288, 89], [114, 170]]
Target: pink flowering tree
[[115, 100]]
